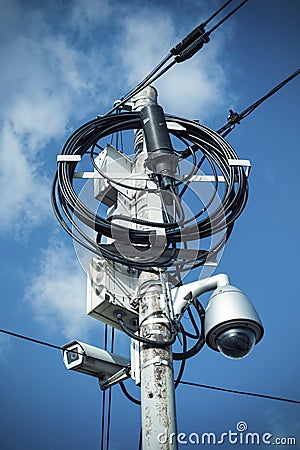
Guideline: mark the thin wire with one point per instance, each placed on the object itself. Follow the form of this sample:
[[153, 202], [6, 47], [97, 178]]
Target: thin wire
[[140, 447], [248, 110], [236, 118], [103, 395], [110, 392], [152, 78], [122, 144], [26, 338], [217, 12], [103, 420], [227, 17], [234, 391], [183, 361], [158, 71], [188, 383], [139, 86]]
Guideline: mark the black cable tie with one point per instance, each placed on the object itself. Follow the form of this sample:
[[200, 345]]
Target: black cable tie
[[193, 48]]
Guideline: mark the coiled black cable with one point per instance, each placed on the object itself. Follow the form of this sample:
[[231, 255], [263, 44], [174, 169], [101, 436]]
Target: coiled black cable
[[71, 211]]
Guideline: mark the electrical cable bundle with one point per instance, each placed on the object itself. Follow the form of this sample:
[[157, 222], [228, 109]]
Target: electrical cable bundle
[[217, 218]]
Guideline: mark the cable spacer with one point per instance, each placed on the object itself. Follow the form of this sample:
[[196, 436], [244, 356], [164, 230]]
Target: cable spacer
[[155, 320], [122, 106], [148, 332], [68, 158]]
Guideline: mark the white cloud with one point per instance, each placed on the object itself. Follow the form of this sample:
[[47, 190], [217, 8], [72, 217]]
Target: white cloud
[[86, 16], [24, 193], [45, 83], [40, 100], [48, 79], [191, 91], [57, 293], [142, 48]]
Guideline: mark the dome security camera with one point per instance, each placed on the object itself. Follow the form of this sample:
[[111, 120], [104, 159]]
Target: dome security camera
[[232, 325]]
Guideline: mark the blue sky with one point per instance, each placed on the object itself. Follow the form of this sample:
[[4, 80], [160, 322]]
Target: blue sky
[[64, 62]]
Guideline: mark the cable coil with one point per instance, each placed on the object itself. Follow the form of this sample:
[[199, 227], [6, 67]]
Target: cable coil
[[69, 209]]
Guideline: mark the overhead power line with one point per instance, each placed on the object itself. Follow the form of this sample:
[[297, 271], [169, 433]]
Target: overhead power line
[[26, 338], [182, 51], [187, 383], [236, 118]]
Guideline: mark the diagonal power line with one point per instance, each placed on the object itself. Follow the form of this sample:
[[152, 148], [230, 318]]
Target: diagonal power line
[[187, 383]]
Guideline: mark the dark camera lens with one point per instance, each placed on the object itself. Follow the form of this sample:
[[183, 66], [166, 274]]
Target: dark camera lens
[[236, 343], [72, 356]]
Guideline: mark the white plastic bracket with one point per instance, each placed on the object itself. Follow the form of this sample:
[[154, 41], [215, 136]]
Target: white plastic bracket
[[241, 163], [68, 158]]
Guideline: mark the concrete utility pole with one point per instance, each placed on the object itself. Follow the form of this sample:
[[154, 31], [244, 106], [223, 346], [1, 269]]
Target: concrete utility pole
[[156, 364]]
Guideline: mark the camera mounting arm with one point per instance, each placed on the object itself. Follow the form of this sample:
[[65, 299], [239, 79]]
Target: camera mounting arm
[[184, 295]]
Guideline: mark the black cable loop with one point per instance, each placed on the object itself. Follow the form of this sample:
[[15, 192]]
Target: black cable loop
[[129, 396], [201, 339], [183, 362], [195, 326], [217, 151]]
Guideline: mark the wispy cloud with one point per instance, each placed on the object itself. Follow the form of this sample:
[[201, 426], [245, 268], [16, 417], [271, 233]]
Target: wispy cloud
[[24, 192], [281, 425], [57, 293], [84, 18], [45, 83]]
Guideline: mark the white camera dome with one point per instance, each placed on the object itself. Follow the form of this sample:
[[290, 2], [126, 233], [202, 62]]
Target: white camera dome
[[232, 325]]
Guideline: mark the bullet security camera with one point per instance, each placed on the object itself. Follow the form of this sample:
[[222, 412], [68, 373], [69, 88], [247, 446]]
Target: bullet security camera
[[92, 360], [232, 325]]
